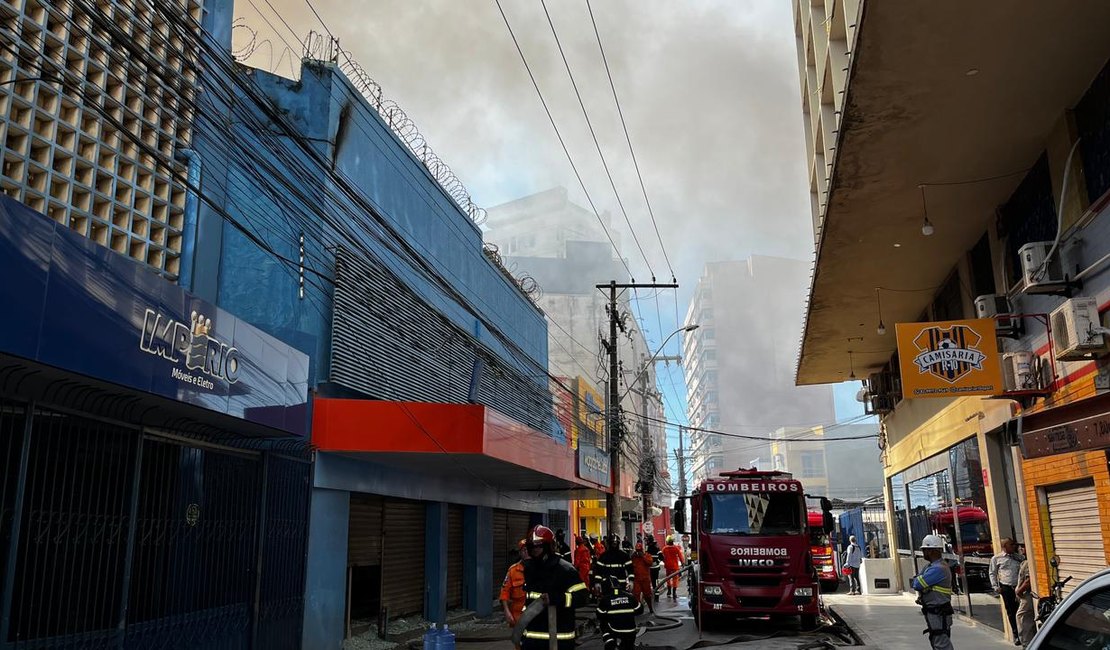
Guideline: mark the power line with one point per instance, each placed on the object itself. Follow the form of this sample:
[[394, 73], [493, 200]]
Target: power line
[[760, 438], [593, 135], [628, 139], [559, 135]]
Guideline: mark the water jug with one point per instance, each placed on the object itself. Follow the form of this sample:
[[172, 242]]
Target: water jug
[[445, 640], [430, 637]]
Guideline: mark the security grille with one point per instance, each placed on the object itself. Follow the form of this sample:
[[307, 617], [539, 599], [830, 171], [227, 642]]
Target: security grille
[[1076, 532], [389, 344]]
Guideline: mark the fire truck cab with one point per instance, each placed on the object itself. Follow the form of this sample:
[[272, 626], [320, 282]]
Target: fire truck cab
[[750, 547]]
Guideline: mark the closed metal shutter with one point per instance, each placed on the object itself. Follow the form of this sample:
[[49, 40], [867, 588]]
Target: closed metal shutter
[[403, 557], [454, 556], [1076, 532], [364, 531], [509, 527]]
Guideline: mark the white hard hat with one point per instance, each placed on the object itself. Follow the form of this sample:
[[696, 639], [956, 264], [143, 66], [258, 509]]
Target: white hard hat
[[932, 541]]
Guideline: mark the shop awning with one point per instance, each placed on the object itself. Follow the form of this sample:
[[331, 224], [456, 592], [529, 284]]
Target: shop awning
[[463, 439]]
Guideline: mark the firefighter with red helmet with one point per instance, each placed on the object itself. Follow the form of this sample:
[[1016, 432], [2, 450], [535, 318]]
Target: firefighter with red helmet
[[512, 588], [557, 583]]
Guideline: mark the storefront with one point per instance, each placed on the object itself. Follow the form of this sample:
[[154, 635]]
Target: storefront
[[1067, 489], [155, 484], [953, 475]]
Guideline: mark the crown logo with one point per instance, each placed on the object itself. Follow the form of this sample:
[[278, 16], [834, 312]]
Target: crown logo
[[201, 326]]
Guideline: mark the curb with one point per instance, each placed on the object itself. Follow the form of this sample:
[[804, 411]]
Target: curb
[[854, 627]]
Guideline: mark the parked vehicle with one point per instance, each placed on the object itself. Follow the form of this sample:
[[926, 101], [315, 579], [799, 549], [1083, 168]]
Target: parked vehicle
[[823, 553], [975, 540], [750, 535], [1081, 620]]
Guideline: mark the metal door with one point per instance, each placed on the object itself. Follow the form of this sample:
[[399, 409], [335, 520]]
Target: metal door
[[403, 557], [454, 556], [1076, 531]]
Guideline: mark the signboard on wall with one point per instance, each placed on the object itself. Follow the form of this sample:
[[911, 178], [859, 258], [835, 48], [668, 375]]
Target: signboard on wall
[[593, 464], [949, 358]]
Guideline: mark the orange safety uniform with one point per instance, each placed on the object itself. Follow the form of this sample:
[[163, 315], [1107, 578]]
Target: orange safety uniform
[[582, 561], [672, 561], [641, 574], [512, 590], [599, 548]]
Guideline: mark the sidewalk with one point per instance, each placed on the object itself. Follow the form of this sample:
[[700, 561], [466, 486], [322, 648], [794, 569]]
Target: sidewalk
[[895, 622]]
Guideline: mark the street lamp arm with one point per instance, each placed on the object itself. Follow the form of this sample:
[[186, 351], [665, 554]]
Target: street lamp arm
[[685, 328]]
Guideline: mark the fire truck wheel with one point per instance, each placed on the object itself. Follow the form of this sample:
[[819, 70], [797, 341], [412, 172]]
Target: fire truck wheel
[[829, 586], [808, 622]]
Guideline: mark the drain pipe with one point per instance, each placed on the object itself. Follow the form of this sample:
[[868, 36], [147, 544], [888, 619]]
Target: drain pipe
[[192, 212]]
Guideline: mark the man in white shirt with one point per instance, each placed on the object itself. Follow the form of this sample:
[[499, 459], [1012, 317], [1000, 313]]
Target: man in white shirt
[[1004, 574]]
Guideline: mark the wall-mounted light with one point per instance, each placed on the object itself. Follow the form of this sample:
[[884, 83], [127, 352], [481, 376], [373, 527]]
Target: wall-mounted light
[[881, 329], [926, 225]]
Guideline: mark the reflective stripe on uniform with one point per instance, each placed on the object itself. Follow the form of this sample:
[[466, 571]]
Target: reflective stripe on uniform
[[610, 566], [562, 636], [578, 587], [621, 611], [941, 590], [534, 595]]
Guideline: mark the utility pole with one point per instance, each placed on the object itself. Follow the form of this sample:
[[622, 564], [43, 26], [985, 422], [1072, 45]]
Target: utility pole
[[681, 464], [613, 425]]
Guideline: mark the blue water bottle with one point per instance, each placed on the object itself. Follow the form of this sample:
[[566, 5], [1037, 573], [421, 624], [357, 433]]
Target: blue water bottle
[[430, 637], [445, 640]]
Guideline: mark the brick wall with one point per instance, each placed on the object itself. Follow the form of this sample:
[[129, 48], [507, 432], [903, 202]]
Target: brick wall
[[1052, 470]]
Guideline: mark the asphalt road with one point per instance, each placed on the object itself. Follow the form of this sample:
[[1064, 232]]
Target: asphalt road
[[748, 633]]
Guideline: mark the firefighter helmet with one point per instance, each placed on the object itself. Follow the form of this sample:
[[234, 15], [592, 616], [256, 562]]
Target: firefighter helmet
[[670, 539], [932, 541], [541, 535]]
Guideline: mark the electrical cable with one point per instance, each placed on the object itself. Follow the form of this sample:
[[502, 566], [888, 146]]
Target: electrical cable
[[628, 139], [593, 135], [559, 135]]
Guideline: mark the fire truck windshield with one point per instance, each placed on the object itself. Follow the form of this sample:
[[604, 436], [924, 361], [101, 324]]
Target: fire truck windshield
[[752, 514]]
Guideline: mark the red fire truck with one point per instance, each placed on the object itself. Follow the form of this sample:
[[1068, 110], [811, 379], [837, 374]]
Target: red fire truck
[[975, 540], [824, 557], [751, 545]]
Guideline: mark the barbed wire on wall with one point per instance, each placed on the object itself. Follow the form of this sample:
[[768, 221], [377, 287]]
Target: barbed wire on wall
[[254, 44], [325, 48], [526, 283]]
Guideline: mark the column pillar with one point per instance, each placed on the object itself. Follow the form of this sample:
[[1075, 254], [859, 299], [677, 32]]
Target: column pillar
[[478, 587], [435, 563]]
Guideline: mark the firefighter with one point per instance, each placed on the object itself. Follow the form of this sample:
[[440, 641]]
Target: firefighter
[[613, 563], [641, 577], [512, 588], [672, 561], [616, 616], [599, 548], [557, 583], [657, 564], [562, 549], [583, 559], [934, 585]]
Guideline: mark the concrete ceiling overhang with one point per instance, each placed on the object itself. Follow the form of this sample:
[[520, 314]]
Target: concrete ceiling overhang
[[915, 116]]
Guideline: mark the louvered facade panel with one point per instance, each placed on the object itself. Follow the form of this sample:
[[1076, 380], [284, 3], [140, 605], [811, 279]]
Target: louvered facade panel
[[390, 344]]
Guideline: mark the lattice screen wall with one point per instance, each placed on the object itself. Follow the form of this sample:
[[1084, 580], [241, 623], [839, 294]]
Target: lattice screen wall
[[62, 156]]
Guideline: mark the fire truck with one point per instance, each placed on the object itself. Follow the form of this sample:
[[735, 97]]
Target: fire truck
[[975, 540], [824, 556], [751, 547]]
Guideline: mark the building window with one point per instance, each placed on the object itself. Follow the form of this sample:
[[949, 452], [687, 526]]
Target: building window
[[813, 464], [709, 334], [1028, 215], [948, 305], [982, 270]]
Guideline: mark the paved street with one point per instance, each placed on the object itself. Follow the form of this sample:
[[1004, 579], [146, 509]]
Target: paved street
[[895, 622]]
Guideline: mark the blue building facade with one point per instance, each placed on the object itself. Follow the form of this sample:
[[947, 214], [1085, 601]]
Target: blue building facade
[[324, 228]]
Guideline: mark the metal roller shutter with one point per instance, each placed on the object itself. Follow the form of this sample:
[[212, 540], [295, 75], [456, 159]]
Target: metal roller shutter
[[364, 532], [454, 556], [509, 527], [1076, 532], [403, 557]]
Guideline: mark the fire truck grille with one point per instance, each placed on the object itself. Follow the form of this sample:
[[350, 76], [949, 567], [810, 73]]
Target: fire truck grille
[[756, 581]]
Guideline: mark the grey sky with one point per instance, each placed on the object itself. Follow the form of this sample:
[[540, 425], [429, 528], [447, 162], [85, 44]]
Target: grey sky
[[709, 89]]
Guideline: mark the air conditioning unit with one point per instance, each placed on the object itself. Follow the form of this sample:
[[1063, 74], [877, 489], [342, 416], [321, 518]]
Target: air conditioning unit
[[994, 306], [881, 404], [1034, 271], [1075, 326], [1019, 371]]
